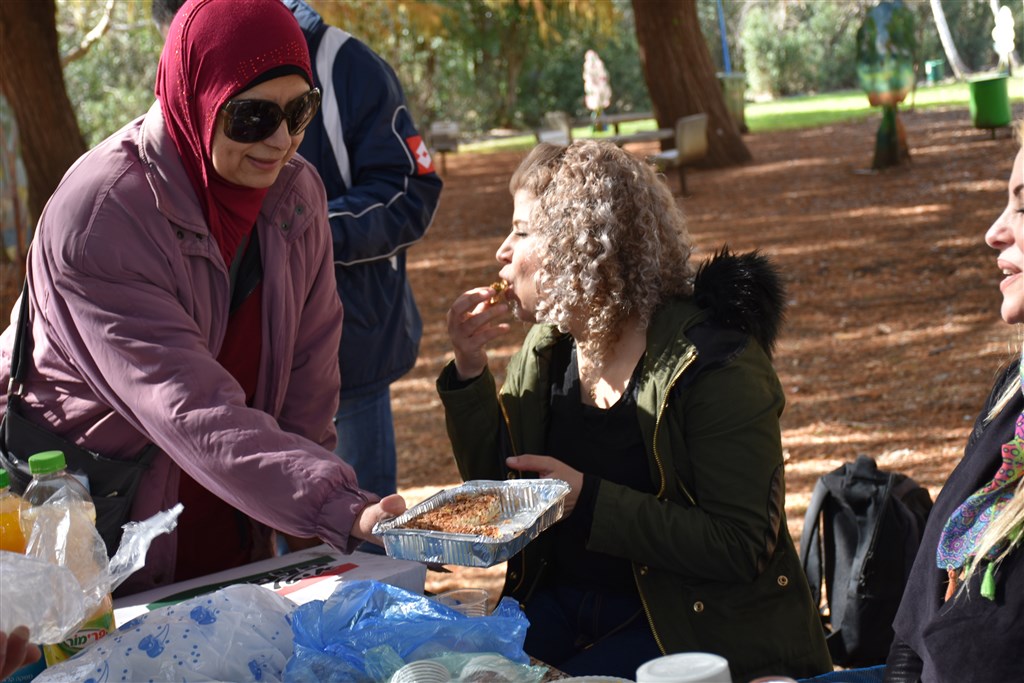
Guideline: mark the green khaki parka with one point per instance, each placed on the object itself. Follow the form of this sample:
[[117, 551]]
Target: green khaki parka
[[712, 558]]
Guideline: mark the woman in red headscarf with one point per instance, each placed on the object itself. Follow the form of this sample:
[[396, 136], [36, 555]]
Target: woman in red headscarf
[[181, 294]]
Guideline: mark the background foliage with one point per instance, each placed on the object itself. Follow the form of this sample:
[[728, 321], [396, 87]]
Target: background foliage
[[503, 63]]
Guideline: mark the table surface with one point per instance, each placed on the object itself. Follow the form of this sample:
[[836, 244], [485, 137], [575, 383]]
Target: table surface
[[626, 116], [553, 674], [615, 119], [310, 574], [301, 576], [643, 136]]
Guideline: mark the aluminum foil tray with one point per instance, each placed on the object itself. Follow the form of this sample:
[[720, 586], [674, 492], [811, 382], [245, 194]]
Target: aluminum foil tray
[[528, 507]]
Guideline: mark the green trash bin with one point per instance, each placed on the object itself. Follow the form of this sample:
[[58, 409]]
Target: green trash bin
[[734, 91], [990, 102], [934, 71]]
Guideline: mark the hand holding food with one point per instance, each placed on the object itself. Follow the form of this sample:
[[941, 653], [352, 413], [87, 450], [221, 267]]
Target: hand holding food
[[547, 467], [499, 287], [387, 507], [474, 320]]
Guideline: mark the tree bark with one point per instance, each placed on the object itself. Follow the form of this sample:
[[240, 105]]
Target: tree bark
[[32, 80], [946, 38], [681, 77]]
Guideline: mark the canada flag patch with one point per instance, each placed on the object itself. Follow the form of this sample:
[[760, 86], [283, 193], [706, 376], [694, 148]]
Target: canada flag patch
[[424, 163]]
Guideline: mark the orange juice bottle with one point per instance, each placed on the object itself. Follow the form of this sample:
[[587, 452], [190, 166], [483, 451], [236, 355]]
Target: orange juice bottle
[[55, 495], [11, 537]]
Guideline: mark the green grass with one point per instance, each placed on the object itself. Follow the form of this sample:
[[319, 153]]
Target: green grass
[[823, 110], [810, 111]]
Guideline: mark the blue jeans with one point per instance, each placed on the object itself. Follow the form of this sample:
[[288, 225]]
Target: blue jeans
[[585, 633], [366, 440]]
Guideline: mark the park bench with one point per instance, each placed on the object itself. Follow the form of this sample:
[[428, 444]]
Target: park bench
[[444, 138], [691, 146], [655, 135], [557, 128]]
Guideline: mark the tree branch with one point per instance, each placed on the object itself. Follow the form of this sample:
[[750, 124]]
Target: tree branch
[[91, 37], [960, 69]]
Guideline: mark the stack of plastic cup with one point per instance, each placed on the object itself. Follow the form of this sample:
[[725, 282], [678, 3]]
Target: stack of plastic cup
[[424, 671], [685, 667], [469, 601]]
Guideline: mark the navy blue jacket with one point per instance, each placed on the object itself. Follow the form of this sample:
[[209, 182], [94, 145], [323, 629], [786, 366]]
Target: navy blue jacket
[[382, 193]]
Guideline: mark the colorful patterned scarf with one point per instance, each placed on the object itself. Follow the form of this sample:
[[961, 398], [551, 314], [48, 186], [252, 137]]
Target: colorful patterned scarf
[[969, 521]]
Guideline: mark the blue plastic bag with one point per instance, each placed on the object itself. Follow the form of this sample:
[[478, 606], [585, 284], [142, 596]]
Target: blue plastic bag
[[366, 630]]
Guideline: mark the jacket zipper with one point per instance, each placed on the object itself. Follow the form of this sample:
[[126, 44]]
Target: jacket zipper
[[508, 426], [514, 475], [687, 360]]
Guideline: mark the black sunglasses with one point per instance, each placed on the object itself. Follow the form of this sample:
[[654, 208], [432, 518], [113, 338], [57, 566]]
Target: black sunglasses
[[255, 120]]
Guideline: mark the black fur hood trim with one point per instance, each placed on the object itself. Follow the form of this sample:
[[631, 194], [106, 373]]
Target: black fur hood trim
[[744, 292]]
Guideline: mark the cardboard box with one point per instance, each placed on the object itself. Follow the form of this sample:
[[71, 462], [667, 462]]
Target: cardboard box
[[305, 575]]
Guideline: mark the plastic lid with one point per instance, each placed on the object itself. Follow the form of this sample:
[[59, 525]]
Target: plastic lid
[[5, 479], [46, 462], [685, 667]]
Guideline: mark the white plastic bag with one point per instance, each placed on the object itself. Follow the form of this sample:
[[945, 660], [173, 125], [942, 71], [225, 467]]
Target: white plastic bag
[[239, 633], [48, 598]]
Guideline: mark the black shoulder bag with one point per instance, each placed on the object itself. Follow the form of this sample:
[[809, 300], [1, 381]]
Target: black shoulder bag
[[112, 483]]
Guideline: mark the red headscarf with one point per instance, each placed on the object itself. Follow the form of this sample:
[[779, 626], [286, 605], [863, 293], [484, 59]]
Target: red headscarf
[[214, 50]]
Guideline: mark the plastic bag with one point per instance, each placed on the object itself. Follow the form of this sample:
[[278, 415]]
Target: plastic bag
[[487, 666], [239, 633], [49, 599], [367, 630], [44, 597]]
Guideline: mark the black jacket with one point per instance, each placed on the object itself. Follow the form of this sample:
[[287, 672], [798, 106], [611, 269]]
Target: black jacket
[[969, 638]]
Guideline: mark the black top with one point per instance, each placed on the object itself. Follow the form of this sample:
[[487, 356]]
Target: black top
[[603, 444]]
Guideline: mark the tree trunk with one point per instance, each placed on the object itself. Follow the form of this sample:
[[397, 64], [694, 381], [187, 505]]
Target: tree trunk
[[952, 56], [32, 80], [681, 77]]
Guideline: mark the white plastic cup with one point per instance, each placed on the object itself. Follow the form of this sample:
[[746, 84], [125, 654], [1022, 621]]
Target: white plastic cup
[[423, 671], [469, 601], [493, 668], [685, 667]]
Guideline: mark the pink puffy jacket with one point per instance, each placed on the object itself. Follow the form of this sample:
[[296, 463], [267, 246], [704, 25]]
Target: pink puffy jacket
[[129, 301]]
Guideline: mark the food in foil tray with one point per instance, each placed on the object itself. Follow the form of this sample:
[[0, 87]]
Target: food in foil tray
[[467, 513], [477, 524]]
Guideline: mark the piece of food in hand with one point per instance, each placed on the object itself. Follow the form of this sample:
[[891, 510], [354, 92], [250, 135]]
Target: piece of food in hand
[[499, 287], [467, 513]]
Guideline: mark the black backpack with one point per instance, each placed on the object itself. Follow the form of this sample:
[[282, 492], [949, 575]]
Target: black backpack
[[861, 533]]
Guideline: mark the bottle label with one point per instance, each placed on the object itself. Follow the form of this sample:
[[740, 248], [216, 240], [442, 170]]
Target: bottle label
[[92, 630]]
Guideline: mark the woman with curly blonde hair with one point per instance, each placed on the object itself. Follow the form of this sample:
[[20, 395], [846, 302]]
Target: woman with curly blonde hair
[[963, 607], [648, 387]]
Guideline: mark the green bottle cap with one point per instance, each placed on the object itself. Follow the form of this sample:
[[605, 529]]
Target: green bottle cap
[[46, 462], [5, 479]]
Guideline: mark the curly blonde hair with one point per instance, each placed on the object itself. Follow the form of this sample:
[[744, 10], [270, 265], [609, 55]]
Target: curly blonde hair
[[613, 241]]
